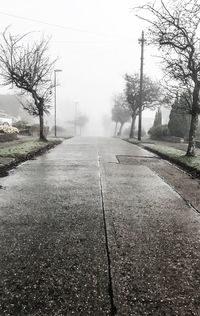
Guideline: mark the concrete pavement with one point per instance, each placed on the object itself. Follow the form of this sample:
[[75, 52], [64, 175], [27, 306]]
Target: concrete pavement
[[85, 232]]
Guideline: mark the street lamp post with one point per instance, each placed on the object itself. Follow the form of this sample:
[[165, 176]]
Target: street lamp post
[[55, 71]]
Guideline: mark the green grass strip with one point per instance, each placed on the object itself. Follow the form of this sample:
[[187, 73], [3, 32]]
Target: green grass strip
[[176, 155], [23, 148]]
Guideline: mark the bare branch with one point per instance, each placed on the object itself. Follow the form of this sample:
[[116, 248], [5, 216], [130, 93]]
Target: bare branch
[[29, 68]]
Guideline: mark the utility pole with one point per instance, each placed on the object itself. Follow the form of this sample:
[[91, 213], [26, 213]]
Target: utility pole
[[141, 41]]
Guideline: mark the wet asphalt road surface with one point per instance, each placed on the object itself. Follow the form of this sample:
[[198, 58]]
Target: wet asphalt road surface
[[85, 232]]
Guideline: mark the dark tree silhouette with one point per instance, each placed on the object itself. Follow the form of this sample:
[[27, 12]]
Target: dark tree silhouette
[[28, 67]]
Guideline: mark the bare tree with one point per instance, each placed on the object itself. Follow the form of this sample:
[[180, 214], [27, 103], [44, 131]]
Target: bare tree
[[29, 68], [120, 112], [132, 92], [174, 28]]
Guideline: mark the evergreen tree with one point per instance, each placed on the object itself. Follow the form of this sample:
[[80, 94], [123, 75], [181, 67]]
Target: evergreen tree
[[179, 119], [158, 118]]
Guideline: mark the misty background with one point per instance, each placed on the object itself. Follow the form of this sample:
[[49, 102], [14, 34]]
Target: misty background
[[96, 43]]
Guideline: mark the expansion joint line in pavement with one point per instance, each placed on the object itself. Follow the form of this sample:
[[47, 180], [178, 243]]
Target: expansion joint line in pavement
[[113, 311]]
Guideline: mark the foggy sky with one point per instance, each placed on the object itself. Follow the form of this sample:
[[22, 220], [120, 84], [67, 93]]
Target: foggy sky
[[96, 42]]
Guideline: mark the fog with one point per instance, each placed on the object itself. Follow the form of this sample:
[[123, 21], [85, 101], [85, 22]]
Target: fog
[[96, 43]]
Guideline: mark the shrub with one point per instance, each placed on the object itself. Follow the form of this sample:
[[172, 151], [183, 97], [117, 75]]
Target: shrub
[[21, 125], [158, 132], [8, 129]]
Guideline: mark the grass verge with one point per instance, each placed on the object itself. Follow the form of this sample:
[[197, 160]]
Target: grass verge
[[177, 156], [24, 149], [22, 152]]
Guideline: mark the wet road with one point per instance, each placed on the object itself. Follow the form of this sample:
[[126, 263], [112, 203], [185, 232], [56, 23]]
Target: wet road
[[83, 232]]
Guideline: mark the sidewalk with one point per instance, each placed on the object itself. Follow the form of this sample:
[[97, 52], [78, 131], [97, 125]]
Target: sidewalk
[[90, 228]]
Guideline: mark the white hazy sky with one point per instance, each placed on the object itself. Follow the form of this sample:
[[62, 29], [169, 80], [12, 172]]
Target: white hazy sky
[[96, 42]]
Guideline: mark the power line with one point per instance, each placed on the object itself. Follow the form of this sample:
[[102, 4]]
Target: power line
[[50, 24], [95, 42], [66, 28]]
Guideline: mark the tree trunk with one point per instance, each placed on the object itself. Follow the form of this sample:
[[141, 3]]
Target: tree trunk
[[132, 129], [41, 119], [115, 132], [192, 134], [194, 121], [120, 129]]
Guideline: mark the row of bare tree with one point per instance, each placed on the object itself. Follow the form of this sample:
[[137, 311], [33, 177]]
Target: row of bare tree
[[126, 105]]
